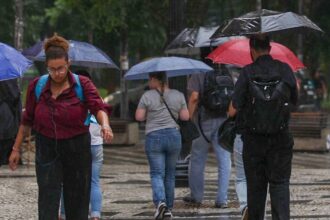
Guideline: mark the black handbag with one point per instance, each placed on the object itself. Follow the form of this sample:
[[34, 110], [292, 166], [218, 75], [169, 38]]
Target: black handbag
[[188, 129], [227, 134]]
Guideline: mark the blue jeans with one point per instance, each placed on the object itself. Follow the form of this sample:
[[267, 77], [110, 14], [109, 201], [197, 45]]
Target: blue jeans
[[199, 151], [240, 181], [162, 150], [96, 194]]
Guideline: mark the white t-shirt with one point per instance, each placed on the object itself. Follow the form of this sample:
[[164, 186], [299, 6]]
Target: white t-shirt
[[95, 131]]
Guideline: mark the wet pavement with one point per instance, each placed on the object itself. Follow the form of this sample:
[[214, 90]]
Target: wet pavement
[[127, 192]]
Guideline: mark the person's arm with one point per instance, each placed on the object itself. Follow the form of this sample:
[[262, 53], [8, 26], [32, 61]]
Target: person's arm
[[96, 107], [231, 110], [324, 89], [240, 91], [192, 104], [183, 113], [141, 111], [106, 131], [23, 132], [140, 114]]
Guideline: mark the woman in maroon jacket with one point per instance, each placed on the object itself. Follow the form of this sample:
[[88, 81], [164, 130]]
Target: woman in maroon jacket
[[63, 154]]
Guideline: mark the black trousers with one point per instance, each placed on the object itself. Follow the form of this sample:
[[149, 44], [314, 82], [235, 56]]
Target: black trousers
[[5, 150], [267, 162], [66, 162]]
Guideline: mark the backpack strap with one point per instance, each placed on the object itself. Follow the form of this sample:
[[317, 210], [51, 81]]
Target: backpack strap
[[40, 86], [77, 88], [80, 94]]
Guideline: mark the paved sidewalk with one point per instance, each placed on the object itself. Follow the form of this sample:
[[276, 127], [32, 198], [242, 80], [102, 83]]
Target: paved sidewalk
[[127, 192]]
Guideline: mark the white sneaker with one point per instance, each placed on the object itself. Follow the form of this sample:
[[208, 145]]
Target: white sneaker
[[160, 211]]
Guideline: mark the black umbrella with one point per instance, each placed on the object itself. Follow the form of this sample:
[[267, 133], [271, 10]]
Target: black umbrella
[[265, 21], [190, 40]]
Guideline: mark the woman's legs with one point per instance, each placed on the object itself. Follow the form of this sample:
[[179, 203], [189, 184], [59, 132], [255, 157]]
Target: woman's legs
[[76, 159], [49, 177], [96, 193], [172, 153]]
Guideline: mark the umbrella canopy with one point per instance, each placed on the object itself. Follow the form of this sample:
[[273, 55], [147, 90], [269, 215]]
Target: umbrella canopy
[[173, 66], [12, 63], [190, 40], [80, 54], [237, 52], [265, 21]]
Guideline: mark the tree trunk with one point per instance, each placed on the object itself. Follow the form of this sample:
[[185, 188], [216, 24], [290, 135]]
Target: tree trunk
[[259, 5], [177, 18], [177, 23], [124, 65], [19, 24]]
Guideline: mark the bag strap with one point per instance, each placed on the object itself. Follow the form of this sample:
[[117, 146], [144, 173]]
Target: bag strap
[[40, 86], [200, 126], [77, 88], [168, 108], [44, 78]]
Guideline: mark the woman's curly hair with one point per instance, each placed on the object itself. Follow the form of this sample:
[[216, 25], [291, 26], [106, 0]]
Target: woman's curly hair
[[56, 47]]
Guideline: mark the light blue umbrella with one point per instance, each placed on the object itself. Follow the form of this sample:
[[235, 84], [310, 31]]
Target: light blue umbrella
[[12, 63], [173, 66], [80, 54]]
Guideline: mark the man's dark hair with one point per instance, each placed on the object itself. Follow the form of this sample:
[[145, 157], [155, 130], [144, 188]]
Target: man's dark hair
[[261, 42], [161, 76]]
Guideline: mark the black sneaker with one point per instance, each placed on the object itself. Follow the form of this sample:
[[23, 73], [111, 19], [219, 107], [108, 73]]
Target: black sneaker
[[191, 201], [167, 215], [160, 211]]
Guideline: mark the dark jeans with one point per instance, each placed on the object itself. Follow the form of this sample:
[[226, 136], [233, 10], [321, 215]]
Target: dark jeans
[[5, 150], [63, 161], [267, 161]]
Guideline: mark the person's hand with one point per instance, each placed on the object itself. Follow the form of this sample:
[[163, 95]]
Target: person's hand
[[106, 133], [14, 159]]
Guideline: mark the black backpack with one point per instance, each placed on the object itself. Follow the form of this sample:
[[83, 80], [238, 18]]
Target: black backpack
[[218, 90], [268, 109]]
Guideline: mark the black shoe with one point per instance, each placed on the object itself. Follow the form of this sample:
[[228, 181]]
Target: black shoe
[[191, 200], [167, 215], [160, 211]]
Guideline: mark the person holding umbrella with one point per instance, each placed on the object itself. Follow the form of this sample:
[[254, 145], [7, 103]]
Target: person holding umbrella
[[63, 153], [163, 139], [263, 96]]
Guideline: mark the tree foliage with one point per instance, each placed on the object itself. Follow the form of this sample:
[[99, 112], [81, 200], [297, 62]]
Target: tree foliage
[[146, 23]]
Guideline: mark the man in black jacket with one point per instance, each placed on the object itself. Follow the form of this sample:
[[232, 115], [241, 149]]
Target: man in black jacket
[[10, 114], [264, 93]]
